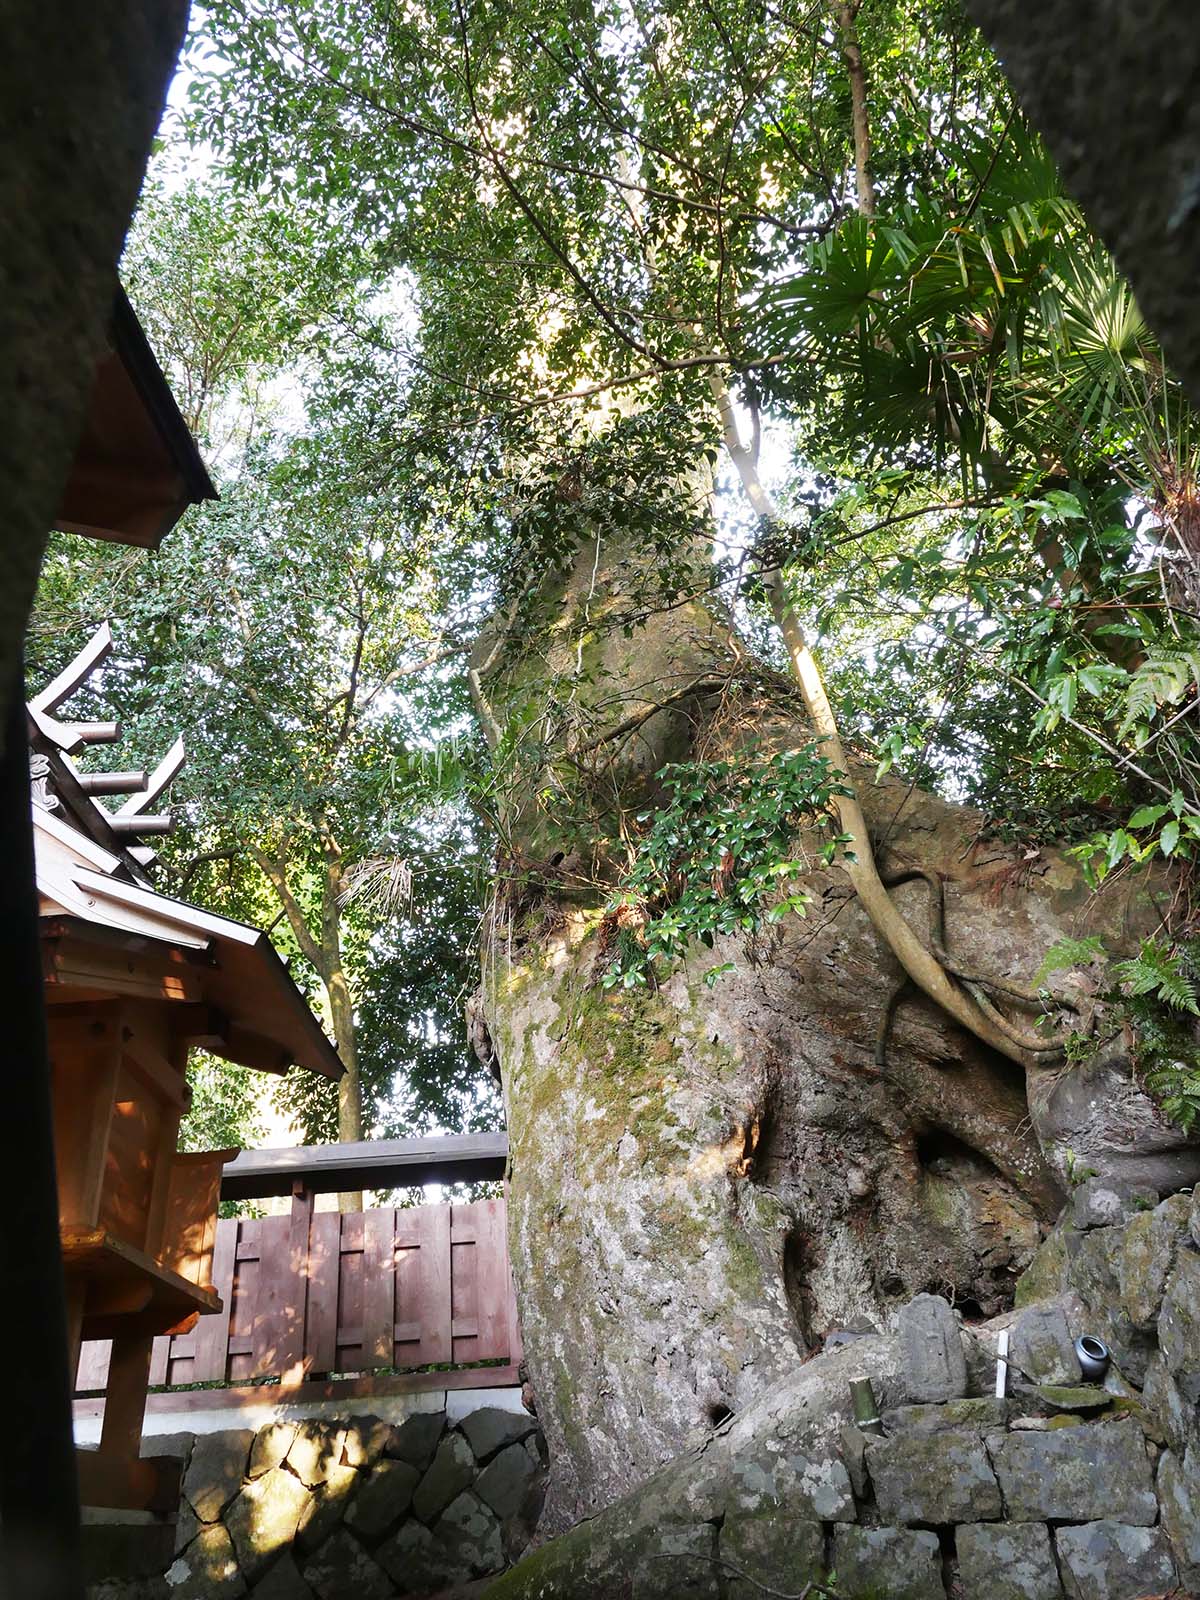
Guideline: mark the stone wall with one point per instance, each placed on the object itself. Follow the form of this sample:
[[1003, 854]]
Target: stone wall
[[1058, 1489], [364, 1510]]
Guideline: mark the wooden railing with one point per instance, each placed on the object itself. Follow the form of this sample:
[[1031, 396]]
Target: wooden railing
[[316, 1294]]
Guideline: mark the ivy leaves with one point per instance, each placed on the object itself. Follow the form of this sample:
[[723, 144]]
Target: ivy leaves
[[721, 857]]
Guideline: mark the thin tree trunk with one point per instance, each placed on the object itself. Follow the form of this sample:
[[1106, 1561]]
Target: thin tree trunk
[[341, 1010], [922, 965], [864, 184], [324, 955]]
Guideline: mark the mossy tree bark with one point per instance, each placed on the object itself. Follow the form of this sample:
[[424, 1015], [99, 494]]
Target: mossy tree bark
[[83, 90], [706, 1180]]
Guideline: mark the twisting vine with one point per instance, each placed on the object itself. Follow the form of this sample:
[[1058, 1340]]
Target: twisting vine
[[922, 966]]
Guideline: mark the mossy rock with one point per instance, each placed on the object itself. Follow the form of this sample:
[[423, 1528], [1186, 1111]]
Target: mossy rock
[[1075, 1397]]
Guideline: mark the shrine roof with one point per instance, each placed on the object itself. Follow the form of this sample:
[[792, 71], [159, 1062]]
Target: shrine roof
[[136, 467], [100, 930], [107, 931]]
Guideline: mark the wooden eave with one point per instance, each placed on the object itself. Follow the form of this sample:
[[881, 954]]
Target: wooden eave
[[234, 998], [103, 936], [136, 467], [366, 1164], [133, 1294]]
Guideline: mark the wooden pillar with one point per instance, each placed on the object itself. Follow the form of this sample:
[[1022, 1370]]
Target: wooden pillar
[[81, 92], [76, 1301], [125, 1398]]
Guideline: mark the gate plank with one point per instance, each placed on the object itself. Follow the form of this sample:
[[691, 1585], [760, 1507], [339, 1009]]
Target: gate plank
[[464, 1290], [435, 1303], [212, 1332], [379, 1289], [93, 1364], [160, 1359], [324, 1263], [350, 1293], [271, 1309], [491, 1281], [293, 1365]]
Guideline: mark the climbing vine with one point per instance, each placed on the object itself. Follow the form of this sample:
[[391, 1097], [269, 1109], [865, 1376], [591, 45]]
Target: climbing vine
[[721, 856]]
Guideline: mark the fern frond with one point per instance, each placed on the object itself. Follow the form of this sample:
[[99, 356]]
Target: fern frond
[[1067, 953], [1176, 1086], [1157, 971], [1161, 680]]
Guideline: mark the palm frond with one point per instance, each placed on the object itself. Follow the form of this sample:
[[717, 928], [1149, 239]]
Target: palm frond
[[382, 882]]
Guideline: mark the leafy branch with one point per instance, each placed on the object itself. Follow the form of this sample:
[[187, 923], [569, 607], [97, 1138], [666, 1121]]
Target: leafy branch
[[719, 857]]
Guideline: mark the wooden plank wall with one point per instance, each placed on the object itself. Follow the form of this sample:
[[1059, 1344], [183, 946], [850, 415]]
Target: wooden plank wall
[[315, 1293]]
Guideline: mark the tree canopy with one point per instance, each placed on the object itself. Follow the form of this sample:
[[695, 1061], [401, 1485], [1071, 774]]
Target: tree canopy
[[463, 288]]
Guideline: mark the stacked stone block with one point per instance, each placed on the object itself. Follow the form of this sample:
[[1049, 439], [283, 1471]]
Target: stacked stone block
[[327, 1510], [1060, 1490]]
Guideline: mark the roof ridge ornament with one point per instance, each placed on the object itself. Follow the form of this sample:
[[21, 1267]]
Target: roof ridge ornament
[[39, 778], [59, 784]]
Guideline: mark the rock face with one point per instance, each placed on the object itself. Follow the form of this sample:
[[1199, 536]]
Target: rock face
[[315, 1454], [1077, 1475], [214, 1473], [208, 1567], [263, 1520], [417, 1438], [1100, 1202], [946, 1477], [1042, 1348], [450, 1471], [384, 1499], [343, 1568], [330, 1510], [1149, 1246], [504, 1482], [899, 1562], [469, 1533], [1109, 1560], [784, 1553], [1048, 1492], [1179, 1491], [1093, 1272], [489, 1429], [799, 1483], [1179, 1326]]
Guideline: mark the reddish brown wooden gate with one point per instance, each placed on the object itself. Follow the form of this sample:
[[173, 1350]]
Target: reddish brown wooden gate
[[319, 1294]]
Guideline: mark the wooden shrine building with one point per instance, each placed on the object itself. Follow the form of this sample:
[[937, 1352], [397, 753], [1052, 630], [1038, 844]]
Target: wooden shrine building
[[134, 979], [136, 468]]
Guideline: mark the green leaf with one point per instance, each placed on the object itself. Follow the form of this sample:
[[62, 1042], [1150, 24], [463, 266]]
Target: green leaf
[[1146, 816]]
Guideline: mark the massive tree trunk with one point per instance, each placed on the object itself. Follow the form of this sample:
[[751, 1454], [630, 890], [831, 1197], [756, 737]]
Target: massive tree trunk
[[83, 89], [707, 1180], [1113, 91]]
